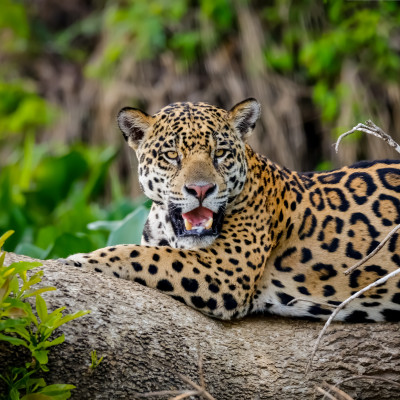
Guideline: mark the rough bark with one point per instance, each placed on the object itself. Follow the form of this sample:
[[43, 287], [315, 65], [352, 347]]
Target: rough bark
[[147, 337]]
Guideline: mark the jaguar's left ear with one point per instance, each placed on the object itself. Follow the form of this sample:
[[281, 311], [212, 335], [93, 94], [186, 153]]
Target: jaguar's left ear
[[134, 125], [244, 116]]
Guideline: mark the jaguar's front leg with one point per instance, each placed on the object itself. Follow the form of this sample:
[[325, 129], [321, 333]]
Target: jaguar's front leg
[[216, 285]]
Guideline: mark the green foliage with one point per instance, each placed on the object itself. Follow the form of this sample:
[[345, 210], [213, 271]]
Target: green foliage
[[32, 328], [95, 361], [22, 110], [142, 29], [19, 379], [315, 41], [14, 21], [51, 197]]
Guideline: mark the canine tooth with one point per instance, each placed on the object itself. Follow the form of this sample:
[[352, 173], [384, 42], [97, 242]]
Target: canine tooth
[[188, 225], [209, 223]]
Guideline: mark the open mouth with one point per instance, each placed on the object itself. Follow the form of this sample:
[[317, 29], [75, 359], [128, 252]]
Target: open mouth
[[200, 221]]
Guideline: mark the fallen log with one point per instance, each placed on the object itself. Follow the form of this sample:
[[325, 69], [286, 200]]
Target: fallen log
[[148, 339]]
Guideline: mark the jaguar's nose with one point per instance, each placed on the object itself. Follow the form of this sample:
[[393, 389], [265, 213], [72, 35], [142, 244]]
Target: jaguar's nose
[[200, 191]]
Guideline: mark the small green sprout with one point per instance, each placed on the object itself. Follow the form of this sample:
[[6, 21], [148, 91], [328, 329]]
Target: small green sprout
[[95, 362]]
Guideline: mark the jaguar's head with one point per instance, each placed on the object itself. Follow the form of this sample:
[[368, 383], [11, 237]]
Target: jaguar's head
[[192, 162]]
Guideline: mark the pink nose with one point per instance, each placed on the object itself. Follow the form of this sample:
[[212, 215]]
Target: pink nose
[[201, 191]]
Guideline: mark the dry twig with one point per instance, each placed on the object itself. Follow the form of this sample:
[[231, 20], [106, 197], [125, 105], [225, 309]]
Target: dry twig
[[372, 129], [318, 303], [325, 393], [344, 304], [161, 393], [199, 390], [186, 394], [370, 255], [201, 373], [339, 394], [343, 395]]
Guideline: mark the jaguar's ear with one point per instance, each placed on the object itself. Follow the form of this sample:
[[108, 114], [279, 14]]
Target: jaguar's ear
[[244, 116], [134, 124]]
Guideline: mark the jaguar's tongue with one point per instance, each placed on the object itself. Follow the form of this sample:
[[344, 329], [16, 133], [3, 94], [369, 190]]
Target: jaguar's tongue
[[198, 219]]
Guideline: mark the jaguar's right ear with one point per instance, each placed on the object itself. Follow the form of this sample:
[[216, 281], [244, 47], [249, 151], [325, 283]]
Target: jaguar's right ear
[[134, 124]]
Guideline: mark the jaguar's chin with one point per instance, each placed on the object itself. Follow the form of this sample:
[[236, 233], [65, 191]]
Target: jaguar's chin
[[197, 223]]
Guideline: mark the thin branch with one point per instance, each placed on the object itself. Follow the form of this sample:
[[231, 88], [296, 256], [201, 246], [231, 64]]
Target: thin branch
[[201, 373], [202, 391], [344, 304], [186, 394], [343, 395], [372, 129], [310, 301], [373, 252], [325, 393], [161, 393]]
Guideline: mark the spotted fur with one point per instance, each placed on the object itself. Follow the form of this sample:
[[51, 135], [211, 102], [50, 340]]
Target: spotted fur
[[277, 235]]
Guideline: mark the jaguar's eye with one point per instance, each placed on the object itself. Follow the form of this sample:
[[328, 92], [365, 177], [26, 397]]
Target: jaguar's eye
[[172, 155], [220, 153]]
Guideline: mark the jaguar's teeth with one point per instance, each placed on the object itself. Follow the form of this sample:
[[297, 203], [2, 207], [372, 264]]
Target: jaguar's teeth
[[209, 223], [188, 225]]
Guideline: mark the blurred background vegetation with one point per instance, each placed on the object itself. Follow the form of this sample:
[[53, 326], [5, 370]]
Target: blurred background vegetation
[[67, 181]]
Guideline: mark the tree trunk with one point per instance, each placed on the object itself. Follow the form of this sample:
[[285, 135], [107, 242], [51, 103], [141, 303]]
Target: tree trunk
[[147, 338]]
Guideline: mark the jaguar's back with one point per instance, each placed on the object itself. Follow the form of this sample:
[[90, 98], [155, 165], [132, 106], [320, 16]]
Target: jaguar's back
[[332, 220]]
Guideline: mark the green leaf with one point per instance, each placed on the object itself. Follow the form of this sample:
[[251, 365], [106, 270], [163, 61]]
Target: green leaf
[[56, 389], [33, 280], [37, 382], [104, 225], [14, 285], [5, 288], [55, 342], [12, 323], [14, 394], [130, 229], [70, 317], [46, 235], [30, 250], [41, 308], [21, 331], [37, 396], [41, 356], [2, 258], [13, 340], [51, 392], [55, 312], [39, 291], [4, 237], [23, 266], [21, 378]]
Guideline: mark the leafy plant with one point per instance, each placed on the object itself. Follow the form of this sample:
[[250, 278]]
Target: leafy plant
[[21, 325], [95, 361]]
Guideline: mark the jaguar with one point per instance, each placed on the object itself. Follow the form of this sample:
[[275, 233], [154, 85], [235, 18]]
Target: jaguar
[[231, 233]]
